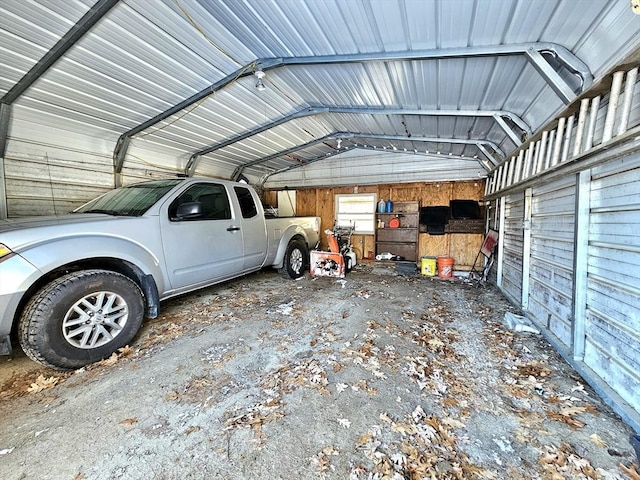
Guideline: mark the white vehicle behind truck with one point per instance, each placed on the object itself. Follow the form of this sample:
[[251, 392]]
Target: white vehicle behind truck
[[75, 288]]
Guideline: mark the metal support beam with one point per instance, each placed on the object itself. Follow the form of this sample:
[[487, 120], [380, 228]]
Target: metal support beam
[[457, 141], [420, 153], [568, 59], [488, 154], [332, 136], [526, 248], [5, 116], [553, 78], [314, 110], [88, 20], [193, 161], [510, 133], [118, 159], [338, 152], [580, 263], [497, 115], [501, 231], [371, 136]]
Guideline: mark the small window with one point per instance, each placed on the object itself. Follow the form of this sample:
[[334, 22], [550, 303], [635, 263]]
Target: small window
[[247, 205], [358, 209]]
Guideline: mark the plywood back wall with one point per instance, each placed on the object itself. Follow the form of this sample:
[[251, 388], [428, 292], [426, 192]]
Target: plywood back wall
[[462, 247]]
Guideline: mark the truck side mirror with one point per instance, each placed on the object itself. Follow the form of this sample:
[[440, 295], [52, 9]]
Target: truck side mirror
[[189, 210]]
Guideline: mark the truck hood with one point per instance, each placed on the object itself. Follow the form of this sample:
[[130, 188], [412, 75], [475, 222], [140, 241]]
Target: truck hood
[[22, 232], [46, 221]]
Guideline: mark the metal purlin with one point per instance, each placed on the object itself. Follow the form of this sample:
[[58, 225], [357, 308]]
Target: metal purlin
[[554, 147]]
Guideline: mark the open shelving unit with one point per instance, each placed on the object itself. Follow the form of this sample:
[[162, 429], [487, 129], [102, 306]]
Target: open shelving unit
[[403, 240]]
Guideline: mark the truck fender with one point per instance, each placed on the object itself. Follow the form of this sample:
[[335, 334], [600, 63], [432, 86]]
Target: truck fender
[[287, 235], [87, 249]]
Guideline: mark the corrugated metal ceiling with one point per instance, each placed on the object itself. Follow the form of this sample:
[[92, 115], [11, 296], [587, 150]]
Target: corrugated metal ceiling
[[145, 56]]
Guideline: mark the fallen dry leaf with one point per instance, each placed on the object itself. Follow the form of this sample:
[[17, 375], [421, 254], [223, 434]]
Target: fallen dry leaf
[[631, 471], [597, 440], [572, 411], [452, 422], [127, 422], [322, 458], [112, 360], [126, 351], [172, 395], [384, 416], [43, 383]]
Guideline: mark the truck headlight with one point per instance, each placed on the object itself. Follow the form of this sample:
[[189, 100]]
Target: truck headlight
[[4, 251]]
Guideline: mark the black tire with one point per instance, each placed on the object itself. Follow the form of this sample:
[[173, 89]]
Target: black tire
[[347, 263], [81, 318], [296, 259]]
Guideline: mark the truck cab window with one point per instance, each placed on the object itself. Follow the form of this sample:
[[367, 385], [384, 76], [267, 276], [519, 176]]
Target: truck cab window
[[203, 201], [247, 205]]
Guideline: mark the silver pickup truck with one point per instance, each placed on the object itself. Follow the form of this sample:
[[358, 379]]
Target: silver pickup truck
[[75, 288]]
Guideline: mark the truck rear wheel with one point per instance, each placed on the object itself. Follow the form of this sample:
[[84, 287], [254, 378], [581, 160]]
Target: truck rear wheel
[[295, 259], [81, 318]]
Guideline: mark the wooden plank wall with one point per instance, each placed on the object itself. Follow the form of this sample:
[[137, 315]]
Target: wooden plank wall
[[463, 247]]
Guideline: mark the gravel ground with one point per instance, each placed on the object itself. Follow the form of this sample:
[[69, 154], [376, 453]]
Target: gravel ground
[[378, 376]]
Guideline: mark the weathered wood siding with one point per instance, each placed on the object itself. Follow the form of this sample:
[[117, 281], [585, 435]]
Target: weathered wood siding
[[463, 247]]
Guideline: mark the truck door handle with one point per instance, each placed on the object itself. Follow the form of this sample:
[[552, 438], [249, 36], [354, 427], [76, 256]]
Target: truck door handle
[[233, 229]]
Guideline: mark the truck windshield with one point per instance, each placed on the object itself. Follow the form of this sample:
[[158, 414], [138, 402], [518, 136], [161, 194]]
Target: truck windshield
[[132, 200]]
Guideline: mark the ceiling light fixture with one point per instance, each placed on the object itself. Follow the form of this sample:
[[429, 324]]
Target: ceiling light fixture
[[260, 84], [339, 143]]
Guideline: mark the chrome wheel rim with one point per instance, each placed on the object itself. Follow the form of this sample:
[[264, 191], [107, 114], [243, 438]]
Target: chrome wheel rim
[[95, 320], [296, 261]]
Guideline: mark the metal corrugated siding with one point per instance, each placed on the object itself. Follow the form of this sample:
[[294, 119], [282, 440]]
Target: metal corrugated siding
[[145, 56], [493, 223], [552, 246], [368, 168], [612, 347], [513, 247]]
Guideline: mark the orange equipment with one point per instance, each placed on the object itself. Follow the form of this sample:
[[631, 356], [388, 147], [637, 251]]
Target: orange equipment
[[328, 264]]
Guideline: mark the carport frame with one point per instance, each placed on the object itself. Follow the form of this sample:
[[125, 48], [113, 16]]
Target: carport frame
[[191, 165], [237, 173], [534, 53]]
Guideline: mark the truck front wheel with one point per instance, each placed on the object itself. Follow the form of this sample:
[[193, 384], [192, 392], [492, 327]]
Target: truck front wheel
[[81, 318], [295, 259]]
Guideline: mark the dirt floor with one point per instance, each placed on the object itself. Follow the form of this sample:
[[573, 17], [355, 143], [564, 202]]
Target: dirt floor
[[378, 376]]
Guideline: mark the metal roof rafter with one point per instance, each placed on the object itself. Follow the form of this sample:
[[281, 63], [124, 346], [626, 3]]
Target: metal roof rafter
[[496, 114], [328, 155], [480, 144], [68, 40], [562, 54]]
